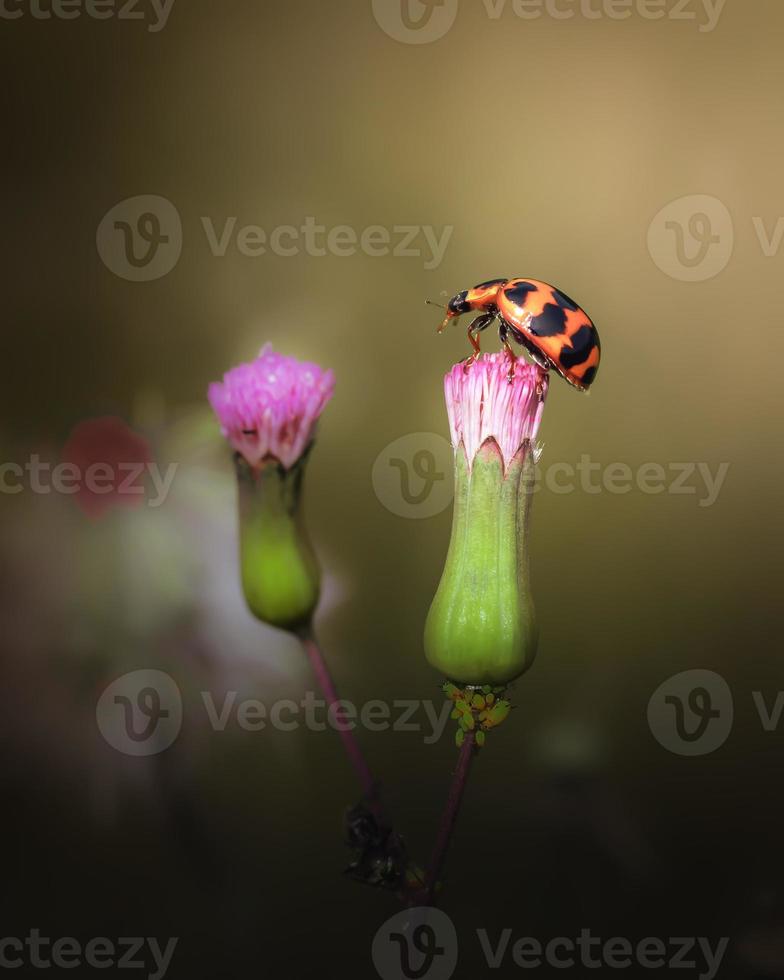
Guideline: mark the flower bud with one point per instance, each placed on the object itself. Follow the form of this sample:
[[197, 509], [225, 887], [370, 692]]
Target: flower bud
[[268, 411], [280, 575], [481, 628]]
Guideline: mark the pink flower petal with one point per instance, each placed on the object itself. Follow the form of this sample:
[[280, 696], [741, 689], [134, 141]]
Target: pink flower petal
[[482, 404]]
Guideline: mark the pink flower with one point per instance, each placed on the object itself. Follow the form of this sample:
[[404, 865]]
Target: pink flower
[[110, 459], [482, 404], [268, 409]]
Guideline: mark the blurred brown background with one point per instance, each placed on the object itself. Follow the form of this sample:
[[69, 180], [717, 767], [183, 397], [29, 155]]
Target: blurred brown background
[[545, 147]]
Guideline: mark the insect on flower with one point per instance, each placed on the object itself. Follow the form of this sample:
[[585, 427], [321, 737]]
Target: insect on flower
[[554, 330]]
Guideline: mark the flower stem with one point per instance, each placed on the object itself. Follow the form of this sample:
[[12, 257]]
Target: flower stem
[[350, 743], [449, 817]]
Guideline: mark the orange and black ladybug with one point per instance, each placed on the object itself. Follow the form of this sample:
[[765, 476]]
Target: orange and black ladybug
[[552, 328]]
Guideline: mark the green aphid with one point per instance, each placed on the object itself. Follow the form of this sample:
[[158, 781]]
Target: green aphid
[[480, 739], [498, 713], [459, 737], [478, 702]]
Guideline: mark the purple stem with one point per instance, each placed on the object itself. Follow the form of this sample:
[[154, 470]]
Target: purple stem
[[449, 817], [327, 685]]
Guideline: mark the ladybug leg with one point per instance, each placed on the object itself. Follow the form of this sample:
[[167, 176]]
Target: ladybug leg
[[503, 333], [474, 329]]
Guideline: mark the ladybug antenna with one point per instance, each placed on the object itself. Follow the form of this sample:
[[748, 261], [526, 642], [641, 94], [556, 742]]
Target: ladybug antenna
[[431, 302]]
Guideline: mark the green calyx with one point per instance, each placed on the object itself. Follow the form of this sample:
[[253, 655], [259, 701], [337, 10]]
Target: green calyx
[[280, 574], [481, 628], [477, 709]]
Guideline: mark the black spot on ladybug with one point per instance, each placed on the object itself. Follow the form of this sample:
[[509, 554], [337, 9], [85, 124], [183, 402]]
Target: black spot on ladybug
[[582, 344], [518, 294], [588, 377], [564, 301], [550, 322], [524, 340], [490, 282]]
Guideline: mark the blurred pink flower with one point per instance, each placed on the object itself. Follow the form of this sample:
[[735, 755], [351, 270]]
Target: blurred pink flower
[[483, 404], [111, 460], [269, 407]]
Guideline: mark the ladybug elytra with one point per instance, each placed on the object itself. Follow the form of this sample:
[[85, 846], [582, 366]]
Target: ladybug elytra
[[554, 330]]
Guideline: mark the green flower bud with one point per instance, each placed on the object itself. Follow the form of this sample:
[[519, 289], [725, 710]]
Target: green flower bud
[[481, 629], [268, 410], [280, 574]]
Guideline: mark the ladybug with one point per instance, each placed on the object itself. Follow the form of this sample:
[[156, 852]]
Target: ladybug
[[551, 326]]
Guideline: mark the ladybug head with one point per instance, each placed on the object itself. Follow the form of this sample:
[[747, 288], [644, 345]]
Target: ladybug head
[[454, 308], [458, 304]]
